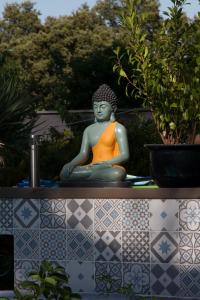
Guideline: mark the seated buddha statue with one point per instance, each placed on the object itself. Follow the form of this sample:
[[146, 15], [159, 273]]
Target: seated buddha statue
[[106, 139]]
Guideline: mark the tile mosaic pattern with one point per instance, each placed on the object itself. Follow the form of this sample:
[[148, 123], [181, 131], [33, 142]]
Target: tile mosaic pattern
[[135, 246], [108, 246], [135, 215], [164, 215], [113, 271], [152, 244], [53, 244], [6, 213], [80, 214], [190, 281], [164, 247], [53, 213], [139, 276], [190, 215], [80, 245], [26, 213], [107, 215], [26, 244], [165, 279], [81, 276], [189, 247]]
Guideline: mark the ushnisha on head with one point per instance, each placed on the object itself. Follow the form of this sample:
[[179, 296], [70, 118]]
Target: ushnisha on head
[[105, 93], [104, 103]]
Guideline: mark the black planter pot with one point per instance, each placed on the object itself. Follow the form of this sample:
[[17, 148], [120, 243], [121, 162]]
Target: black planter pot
[[175, 165]]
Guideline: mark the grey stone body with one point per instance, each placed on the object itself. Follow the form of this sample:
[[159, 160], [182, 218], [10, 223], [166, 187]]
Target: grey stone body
[[108, 170]]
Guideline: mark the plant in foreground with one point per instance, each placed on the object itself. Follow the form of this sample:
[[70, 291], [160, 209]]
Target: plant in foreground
[[50, 283]]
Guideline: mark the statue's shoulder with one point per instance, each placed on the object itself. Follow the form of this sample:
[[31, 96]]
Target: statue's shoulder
[[89, 128], [120, 128]]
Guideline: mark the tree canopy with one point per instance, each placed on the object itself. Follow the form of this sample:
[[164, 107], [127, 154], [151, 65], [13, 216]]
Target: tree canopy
[[65, 59]]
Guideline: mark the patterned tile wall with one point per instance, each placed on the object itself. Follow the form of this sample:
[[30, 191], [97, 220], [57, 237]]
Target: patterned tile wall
[[154, 245]]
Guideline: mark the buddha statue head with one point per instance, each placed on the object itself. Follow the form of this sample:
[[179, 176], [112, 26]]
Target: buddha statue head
[[104, 104]]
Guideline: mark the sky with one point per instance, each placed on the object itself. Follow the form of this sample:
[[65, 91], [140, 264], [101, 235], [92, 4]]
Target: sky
[[66, 7]]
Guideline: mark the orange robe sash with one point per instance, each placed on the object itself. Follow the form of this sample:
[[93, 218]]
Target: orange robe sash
[[107, 146]]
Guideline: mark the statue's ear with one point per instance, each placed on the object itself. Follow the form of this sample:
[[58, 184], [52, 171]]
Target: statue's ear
[[112, 117]]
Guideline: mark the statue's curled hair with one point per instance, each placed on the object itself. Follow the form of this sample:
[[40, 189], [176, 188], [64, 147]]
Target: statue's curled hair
[[105, 93]]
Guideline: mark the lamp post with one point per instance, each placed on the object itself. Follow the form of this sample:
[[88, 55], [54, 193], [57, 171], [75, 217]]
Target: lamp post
[[34, 162]]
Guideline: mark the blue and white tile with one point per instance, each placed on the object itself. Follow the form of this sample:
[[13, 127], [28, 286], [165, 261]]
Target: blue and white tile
[[164, 247], [189, 281], [53, 213], [135, 215], [135, 246], [107, 214], [6, 213], [26, 244], [26, 213], [23, 268], [108, 246], [189, 247], [165, 279], [53, 244], [80, 214], [81, 276], [186, 247], [80, 245], [190, 215], [164, 215], [138, 275], [105, 271]]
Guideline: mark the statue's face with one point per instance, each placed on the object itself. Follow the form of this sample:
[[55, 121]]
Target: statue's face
[[102, 111]]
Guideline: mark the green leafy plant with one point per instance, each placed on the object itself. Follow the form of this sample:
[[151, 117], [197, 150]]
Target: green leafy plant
[[163, 70], [17, 116], [50, 283], [125, 290], [110, 285]]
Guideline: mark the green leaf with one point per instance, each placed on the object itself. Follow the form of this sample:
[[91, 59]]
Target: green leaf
[[35, 276], [51, 281], [172, 125], [173, 105], [28, 284], [60, 277], [122, 73], [116, 51], [146, 52], [185, 115], [115, 67]]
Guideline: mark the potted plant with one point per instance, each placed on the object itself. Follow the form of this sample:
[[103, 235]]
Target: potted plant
[[162, 69]]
